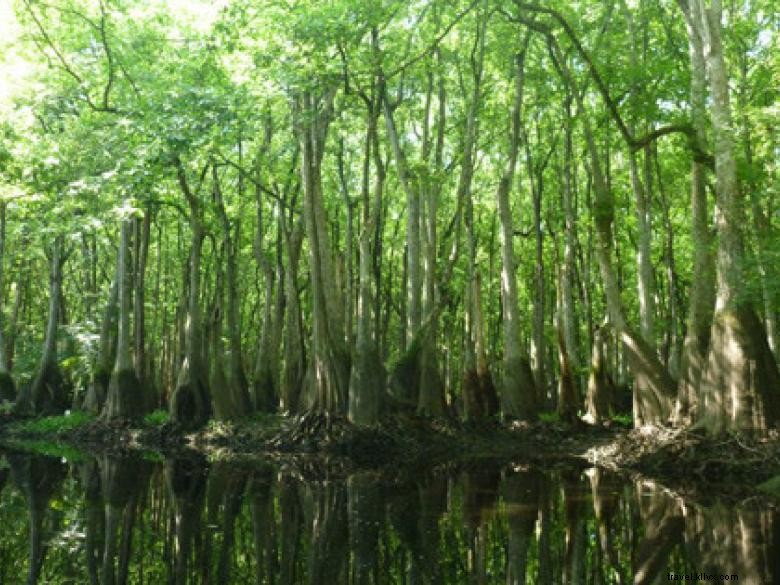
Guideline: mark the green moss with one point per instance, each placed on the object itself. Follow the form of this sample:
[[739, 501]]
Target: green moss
[[54, 424], [156, 418], [549, 417], [771, 486], [624, 419]]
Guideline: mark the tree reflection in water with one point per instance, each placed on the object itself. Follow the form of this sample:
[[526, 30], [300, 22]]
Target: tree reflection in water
[[121, 521]]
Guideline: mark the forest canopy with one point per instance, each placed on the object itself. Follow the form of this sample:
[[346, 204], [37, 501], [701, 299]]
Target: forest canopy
[[472, 209]]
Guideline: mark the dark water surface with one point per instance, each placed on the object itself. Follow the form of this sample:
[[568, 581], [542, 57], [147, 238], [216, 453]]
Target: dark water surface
[[110, 521]]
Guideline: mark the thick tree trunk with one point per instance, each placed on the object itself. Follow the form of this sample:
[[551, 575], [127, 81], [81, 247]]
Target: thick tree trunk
[[47, 393], [702, 292], [567, 386], [518, 392], [601, 388], [190, 403], [740, 385], [330, 361], [125, 397]]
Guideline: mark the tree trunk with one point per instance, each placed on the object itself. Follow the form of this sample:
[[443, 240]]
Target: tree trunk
[[47, 393], [569, 269], [294, 351], [234, 399], [518, 393], [142, 371], [367, 378], [191, 403], [7, 386], [330, 361], [479, 398], [125, 399], [654, 389], [702, 292], [98, 386], [601, 388], [740, 384]]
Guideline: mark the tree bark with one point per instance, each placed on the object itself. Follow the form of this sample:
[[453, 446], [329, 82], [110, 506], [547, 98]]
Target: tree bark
[[330, 361], [653, 403], [125, 398], [234, 401], [191, 403], [740, 385], [367, 378], [7, 386], [518, 393], [702, 291], [47, 393]]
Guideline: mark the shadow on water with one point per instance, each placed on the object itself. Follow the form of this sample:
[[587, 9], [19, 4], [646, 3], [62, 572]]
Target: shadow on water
[[115, 521]]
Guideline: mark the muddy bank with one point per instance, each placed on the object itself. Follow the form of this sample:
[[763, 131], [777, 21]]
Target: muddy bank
[[693, 463], [684, 460], [397, 440]]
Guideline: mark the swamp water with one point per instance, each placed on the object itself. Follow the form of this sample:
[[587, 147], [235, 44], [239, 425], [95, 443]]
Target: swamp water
[[112, 520]]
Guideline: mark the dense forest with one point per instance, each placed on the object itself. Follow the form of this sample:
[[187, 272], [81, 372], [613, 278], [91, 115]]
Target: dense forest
[[470, 208]]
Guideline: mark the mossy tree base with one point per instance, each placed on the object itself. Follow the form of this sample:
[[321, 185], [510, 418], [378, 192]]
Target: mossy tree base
[[264, 390], [125, 399], [366, 386], [600, 395], [479, 394], [415, 381], [7, 387], [740, 385], [190, 405], [518, 395], [48, 394]]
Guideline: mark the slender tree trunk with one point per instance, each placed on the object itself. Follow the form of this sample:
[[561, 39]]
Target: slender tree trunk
[[101, 373], [479, 395], [367, 379], [7, 387], [294, 354], [47, 393], [567, 309], [10, 341], [234, 396], [142, 371], [654, 401]]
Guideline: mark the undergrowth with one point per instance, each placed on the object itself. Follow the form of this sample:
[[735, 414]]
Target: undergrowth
[[55, 424], [156, 418]]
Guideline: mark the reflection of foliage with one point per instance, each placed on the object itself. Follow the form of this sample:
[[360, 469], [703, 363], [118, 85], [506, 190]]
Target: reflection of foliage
[[483, 509]]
